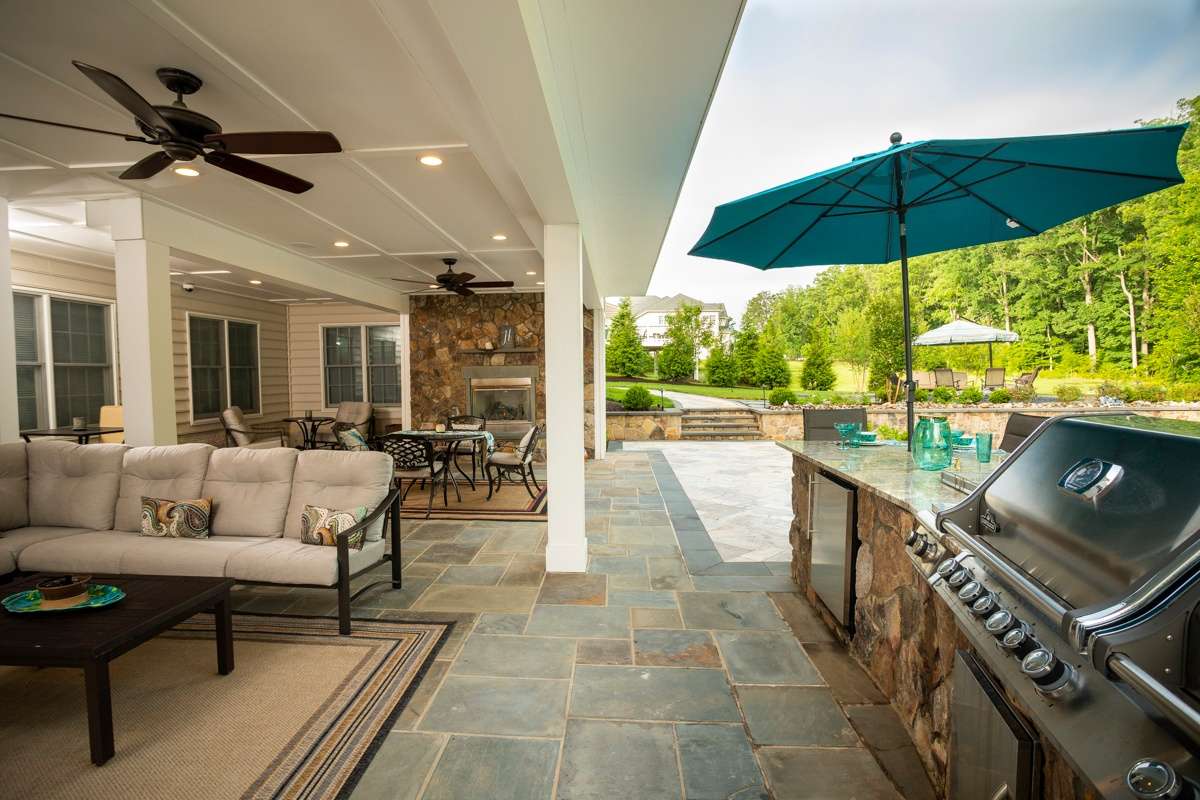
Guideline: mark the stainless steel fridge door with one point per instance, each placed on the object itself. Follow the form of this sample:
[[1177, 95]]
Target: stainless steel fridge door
[[832, 532]]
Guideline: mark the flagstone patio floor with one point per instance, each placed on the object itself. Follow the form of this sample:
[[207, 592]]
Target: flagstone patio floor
[[663, 672]]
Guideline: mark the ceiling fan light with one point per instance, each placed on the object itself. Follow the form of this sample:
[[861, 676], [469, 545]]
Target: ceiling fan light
[[187, 172], [531, 272], [541, 283], [433, 286], [499, 237], [431, 160], [255, 282]]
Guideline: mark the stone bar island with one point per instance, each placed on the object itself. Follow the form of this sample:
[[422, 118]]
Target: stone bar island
[[874, 599]]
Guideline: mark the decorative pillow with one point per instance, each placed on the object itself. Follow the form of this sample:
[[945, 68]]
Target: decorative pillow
[[322, 525], [352, 439], [180, 519]]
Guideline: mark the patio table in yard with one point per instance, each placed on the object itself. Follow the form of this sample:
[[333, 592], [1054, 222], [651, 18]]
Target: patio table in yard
[[82, 435], [451, 441], [308, 429]]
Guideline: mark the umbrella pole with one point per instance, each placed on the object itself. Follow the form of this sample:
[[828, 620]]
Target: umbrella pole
[[989, 354], [908, 355]]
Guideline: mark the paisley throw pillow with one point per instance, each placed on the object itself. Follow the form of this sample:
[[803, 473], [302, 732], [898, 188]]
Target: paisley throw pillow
[[180, 519], [322, 525]]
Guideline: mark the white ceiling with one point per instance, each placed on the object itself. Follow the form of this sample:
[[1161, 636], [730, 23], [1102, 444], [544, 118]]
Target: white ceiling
[[394, 80]]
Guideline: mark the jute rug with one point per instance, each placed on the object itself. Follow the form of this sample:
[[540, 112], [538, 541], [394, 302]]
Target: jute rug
[[511, 502], [299, 717]]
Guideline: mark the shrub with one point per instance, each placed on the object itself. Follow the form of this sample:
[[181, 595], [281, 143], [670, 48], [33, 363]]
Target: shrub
[[781, 395], [970, 395], [1023, 394], [942, 394], [921, 395], [1184, 392], [818, 363], [1110, 389], [1068, 392], [720, 367], [888, 432], [839, 399], [637, 398], [1146, 391], [1000, 395]]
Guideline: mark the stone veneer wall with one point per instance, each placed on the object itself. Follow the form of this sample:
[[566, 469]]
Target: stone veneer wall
[[640, 426], [905, 636]]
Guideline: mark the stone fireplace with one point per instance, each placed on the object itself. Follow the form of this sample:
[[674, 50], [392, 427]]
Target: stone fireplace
[[505, 396]]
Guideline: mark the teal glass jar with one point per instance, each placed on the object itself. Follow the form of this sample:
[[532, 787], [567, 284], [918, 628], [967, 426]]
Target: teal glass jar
[[931, 443]]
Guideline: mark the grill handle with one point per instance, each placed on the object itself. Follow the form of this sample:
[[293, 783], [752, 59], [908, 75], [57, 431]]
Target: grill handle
[[1045, 602], [1180, 714]]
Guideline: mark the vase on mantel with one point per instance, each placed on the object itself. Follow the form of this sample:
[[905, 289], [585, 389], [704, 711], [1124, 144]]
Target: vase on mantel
[[931, 443]]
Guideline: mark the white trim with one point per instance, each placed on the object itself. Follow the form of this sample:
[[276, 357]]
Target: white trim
[[224, 320], [405, 404]]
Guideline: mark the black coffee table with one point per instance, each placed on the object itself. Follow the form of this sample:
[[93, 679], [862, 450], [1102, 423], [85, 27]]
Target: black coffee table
[[90, 638]]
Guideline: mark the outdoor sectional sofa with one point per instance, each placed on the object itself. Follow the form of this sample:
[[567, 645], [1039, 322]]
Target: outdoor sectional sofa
[[66, 507]]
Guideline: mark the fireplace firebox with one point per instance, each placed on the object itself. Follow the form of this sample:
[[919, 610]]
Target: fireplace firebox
[[505, 397]]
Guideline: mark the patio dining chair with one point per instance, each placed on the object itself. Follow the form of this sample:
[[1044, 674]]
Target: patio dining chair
[[1017, 429], [477, 451], [943, 377], [819, 422], [1027, 378], [415, 460], [924, 379], [993, 378], [238, 433], [960, 379], [502, 465]]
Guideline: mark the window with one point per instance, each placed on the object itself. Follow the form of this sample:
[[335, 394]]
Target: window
[[345, 365], [224, 366], [30, 413]]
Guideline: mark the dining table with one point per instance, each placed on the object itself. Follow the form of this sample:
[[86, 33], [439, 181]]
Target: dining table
[[451, 441], [309, 426], [81, 435]]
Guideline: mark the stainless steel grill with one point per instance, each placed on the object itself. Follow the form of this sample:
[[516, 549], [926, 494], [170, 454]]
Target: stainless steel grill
[[1074, 569]]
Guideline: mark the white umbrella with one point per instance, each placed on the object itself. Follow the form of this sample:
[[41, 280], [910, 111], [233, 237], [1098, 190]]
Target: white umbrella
[[963, 331]]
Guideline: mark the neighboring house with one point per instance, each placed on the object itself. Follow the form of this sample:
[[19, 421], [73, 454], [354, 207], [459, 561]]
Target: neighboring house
[[651, 314]]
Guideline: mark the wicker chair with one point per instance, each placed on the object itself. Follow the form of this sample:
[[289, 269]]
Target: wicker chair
[[415, 461], [478, 451], [239, 434], [501, 465]]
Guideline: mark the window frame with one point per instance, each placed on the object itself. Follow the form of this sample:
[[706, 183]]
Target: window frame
[[42, 299], [365, 365], [224, 320]]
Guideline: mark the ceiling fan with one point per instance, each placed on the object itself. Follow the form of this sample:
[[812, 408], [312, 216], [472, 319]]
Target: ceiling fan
[[457, 282], [184, 134]]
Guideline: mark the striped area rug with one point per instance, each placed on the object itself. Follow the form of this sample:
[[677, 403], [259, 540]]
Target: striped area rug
[[511, 502], [300, 716]]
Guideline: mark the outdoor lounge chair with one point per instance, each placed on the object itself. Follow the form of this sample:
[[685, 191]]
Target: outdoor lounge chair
[[238, 433], [993, 378], [924, 380], [819, 422], [944, 377], [1027, 378], [960, 379], [350, 414]]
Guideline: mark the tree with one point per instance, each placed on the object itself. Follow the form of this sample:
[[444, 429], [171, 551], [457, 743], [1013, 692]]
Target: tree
[[720, 367], [757, 312], [817, 373], [685, 331], [852, 343], [744, 355], [770, 365], [624, 353], [885, 319]]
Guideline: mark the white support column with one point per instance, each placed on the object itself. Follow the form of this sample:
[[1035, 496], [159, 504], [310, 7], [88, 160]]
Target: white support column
[[599, 381], [144, 341], [566, 546], [9, 421]]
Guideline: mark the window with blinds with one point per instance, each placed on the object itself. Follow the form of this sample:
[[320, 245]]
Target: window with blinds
[[243, 365], [224, 366], [30, 387], [383, 364], [346, 363], [82, 370], [343, 365]]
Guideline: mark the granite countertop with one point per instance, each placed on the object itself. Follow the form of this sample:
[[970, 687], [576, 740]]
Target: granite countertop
[[889, 471]]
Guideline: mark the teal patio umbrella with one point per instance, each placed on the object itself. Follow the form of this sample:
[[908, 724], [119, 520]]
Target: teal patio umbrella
[[939, 194]]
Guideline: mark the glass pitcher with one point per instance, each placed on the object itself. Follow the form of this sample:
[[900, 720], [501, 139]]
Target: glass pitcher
[[931, 443]]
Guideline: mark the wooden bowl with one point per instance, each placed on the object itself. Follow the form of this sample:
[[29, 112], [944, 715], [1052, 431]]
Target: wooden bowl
[[63, 587]]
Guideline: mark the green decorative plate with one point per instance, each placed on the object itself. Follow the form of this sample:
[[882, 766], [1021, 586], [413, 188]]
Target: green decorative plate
[[28, 602]]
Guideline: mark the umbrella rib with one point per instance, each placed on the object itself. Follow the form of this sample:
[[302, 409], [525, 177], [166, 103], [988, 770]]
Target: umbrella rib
[[840, 205], [767, 213], [946, 194], [821, 216], [975, 160], [863, 192], [983, 200], [1067, 167]]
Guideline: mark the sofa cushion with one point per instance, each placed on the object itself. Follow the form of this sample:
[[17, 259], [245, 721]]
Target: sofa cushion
[[250, 490], [291, 561], [15, 541], [171, 473], [7, 562], [74, 485], [96, 552], [168, 556], [14, 486], [337, 479]]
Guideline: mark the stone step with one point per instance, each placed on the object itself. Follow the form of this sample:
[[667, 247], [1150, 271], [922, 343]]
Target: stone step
[[718, 425], [746, 418], [730, 434]]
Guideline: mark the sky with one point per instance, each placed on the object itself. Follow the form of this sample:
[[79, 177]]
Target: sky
[[809, 84]]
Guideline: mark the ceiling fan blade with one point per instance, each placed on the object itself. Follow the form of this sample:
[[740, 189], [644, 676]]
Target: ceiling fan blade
[[148, 167], [125, 94], [460, 289], [409, 280], [258, 172], [127, 136], [490, 284], [276, 142], [462, 277]]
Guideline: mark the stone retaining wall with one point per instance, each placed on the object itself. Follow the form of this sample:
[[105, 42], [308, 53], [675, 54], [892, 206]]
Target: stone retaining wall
[[641, 426]]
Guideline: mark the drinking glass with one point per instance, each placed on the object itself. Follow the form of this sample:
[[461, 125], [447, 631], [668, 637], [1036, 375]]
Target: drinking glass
[[983, 447], [845, 431]]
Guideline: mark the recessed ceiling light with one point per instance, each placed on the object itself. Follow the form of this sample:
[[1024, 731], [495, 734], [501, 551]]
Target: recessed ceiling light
[[176, 273], [209, 272], [256, 283], [341, 243], [187, 172], [431, 160], [541, 283], [499, 237], [284, 300], [319, 298], [531, 272]]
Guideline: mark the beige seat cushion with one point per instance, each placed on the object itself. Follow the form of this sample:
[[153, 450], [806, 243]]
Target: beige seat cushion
[[96, 552], [13, 542], [74, 485], [339, 480], [7, 562], [250, 490], [14, 486], [167, 473], [263, 444], [504, 458], [152, 555], [290, 561]]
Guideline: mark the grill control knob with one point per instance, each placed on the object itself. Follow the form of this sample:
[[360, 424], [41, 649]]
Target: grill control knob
[[985, 605], [947, 568], [1000, 623], [970, 592], [1019, 641], [1155, 780], [912, 538], [1049, 675], [959, 577], [921, 546]]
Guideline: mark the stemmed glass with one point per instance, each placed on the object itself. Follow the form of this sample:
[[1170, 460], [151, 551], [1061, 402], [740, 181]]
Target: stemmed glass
[[846, 431]]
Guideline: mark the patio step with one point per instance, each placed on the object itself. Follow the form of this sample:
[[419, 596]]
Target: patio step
[[720, 424], [731, 434]]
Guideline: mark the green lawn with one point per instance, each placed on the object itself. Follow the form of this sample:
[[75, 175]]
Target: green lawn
[[732, 393], [617, 391]]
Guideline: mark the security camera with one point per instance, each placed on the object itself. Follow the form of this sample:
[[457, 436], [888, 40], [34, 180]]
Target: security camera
[[189, 287]]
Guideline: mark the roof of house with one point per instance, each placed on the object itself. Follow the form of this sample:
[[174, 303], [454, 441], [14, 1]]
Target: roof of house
[[659, 305]]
